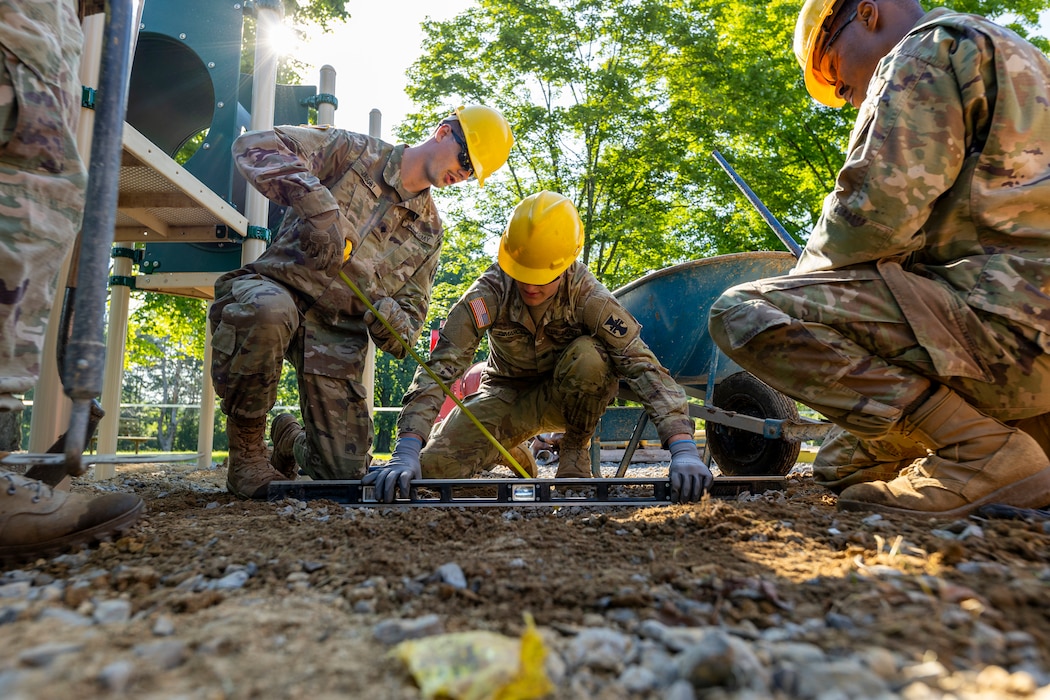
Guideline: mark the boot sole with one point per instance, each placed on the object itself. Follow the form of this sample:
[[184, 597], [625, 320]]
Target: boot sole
[[1030, 492], [260, 493], [286, 466], [103, 532]]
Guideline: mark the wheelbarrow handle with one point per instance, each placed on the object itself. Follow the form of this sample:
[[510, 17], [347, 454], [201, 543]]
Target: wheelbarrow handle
[[767, 215]]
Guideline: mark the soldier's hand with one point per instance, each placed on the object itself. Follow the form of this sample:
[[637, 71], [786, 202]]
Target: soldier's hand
[[402, 468], [690, 477], [323, 241], [398, 320]]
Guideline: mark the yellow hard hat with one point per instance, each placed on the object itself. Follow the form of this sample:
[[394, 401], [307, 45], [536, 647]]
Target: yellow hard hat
[[543, 238], [807, 35], [488, 136]]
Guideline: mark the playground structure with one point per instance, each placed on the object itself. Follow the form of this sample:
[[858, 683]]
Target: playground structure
[[193, 221]]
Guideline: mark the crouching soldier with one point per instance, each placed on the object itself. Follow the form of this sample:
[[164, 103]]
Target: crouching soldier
[[559, 344]]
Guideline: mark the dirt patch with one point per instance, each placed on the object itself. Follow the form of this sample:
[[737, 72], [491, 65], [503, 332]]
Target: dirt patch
[[227, 598]]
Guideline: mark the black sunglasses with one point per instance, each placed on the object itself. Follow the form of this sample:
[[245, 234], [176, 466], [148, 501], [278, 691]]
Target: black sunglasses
[[835, 36], [464, 154]]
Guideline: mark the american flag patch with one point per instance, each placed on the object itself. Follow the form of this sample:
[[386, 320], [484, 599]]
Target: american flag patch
[[481, 312]]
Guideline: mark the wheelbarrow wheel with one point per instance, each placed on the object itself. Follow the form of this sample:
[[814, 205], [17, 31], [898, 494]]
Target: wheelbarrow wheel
[[740, 452]]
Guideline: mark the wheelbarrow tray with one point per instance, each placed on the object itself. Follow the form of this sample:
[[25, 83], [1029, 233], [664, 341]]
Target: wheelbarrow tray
[[673, 304], [752, 429]]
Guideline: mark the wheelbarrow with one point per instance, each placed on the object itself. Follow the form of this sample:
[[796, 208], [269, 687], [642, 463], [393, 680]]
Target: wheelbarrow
[[751, 429]]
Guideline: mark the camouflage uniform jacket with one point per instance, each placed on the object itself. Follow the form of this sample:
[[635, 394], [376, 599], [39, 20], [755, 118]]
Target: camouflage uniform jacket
[[948, 177], [315, 170], [522, 353]]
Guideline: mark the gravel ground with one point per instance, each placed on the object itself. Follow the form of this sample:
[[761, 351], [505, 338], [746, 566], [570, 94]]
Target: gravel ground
[[773, 595]]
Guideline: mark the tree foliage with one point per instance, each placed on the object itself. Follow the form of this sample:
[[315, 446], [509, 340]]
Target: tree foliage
[[619, 107], [164, 363], [582, 84]]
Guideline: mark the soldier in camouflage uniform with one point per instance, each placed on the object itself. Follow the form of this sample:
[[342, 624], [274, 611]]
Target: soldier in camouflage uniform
[[42, 185], [918, 318], [559, 343], [358, 206]]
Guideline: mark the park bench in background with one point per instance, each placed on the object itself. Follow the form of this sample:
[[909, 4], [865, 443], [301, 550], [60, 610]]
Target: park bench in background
[[130, 430]]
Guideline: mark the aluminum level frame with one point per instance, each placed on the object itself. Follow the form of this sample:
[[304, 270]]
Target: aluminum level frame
[[513, 492]]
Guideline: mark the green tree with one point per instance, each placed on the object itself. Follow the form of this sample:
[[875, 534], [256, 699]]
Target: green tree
[[582, 85], [164, 362], [392, 378], [621, 106]]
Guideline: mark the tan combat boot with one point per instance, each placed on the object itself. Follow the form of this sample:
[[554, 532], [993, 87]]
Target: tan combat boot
[[1038, 427], [36, 520], [574, 458], [844, 459], [976, 460], [525, 459], [283, 432], [249, 472]]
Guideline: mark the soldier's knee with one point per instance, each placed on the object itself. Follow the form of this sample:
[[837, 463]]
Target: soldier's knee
[[266, 311], [583, 361], [436, 464], [733, 297], [739, 315]]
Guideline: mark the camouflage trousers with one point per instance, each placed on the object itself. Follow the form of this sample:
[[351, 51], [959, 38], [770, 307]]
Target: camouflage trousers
[[840, 343], [573, 398], [42, 179], [256, 325]]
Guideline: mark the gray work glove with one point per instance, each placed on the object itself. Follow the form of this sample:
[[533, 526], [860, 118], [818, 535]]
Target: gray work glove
[[402, 468], [690, 477], [398, 319], [323, 241]]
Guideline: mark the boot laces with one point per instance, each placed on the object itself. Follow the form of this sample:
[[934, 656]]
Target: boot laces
[[14, 481], [916, 469]]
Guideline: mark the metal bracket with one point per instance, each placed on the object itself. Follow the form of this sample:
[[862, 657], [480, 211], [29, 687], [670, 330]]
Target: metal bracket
[[801, 430], [259, 233], [121, 281], [134, 254], [87, 97], [516, 492], [250, 7], [315, 100]]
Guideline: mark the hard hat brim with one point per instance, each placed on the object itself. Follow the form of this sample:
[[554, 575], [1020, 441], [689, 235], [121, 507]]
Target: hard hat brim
[[819, 88], [525, 275]]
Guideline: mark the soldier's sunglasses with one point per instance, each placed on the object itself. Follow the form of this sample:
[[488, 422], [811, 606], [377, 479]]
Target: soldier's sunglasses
[[464, 154], [834, 37]]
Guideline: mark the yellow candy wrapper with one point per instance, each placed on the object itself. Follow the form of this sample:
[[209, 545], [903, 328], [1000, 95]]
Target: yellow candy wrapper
[[478, 665]]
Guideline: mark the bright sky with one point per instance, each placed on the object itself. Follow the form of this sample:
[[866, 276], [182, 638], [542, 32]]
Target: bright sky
[[371, 53]]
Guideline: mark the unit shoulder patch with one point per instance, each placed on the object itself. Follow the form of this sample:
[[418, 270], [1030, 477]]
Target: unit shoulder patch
[[610, 322]]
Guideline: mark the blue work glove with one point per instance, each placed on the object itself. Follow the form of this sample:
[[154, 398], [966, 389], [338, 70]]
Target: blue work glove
[[690, 477], [402, 468]]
